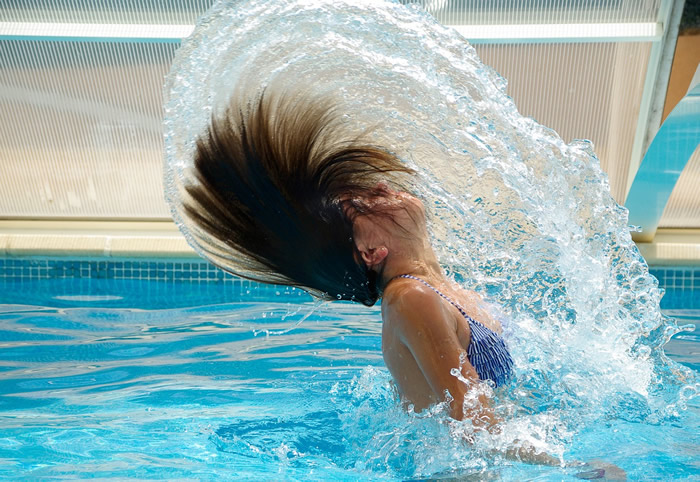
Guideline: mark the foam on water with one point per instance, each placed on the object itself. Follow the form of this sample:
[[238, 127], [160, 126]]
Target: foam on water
[[516, 213]]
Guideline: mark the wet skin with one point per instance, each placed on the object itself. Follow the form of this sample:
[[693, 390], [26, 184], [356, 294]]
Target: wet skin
[[423, 336]]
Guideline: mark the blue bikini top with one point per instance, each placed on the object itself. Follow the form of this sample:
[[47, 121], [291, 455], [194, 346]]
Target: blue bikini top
[[487, 352]]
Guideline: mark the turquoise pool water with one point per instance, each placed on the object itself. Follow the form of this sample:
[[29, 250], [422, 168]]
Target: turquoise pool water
[[126, 378]]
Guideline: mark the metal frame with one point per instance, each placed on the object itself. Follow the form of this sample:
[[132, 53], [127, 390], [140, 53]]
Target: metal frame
[[561, 33], [94, 32], [655, 84], [477, 34]]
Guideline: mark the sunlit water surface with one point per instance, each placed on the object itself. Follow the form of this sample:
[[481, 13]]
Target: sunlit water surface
[[119, 379]]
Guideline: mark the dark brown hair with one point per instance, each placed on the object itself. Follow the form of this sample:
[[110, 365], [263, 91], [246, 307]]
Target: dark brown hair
[[272, 180]]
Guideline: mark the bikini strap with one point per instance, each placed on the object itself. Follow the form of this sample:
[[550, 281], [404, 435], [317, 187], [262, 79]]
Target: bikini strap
[[449, 300]]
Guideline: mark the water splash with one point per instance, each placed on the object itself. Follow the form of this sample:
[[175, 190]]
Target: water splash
[[516, 213], [289, 315]]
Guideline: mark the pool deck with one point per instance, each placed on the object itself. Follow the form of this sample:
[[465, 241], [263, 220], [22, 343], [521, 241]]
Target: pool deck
[[103, 239]]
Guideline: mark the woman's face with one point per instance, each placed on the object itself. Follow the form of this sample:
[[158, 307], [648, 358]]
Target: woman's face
[[390, 219]]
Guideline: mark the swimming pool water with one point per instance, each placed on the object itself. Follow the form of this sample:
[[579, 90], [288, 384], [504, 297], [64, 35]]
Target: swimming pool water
[[123, 378]]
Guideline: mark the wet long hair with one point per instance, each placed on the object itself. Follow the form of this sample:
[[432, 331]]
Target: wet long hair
[[272, 197]]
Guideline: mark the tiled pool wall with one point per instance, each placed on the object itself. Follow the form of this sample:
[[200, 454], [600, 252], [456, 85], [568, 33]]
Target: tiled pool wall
[[682, 284], [193, 271], [677, 278]]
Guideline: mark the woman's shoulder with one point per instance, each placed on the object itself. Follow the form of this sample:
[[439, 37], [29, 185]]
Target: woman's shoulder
[[404, 291], [407, 302]]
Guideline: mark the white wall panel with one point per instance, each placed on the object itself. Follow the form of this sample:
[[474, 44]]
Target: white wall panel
[[81, 131], [104, 11], [582, 91], [81, 135], [484, 12]]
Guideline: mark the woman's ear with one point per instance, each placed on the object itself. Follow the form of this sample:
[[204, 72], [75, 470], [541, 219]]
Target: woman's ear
[[373, 256], [369, 240]]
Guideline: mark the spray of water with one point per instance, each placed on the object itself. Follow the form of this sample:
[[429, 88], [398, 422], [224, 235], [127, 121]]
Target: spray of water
[[515, 212]]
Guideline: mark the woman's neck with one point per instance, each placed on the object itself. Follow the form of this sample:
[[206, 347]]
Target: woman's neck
[[422, 264]]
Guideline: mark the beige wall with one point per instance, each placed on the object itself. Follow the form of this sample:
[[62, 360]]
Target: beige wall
[[685, 61]]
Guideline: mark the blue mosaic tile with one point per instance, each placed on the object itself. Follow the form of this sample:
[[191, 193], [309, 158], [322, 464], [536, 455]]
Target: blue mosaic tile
[[32, 268]]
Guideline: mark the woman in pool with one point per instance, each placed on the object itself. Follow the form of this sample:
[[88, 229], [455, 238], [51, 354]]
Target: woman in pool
[[281, 198]]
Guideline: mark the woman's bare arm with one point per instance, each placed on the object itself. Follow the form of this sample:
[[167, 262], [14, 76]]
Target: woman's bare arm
[[427, 329]]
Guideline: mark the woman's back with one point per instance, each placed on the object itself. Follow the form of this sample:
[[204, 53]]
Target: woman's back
[[426, 339]]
